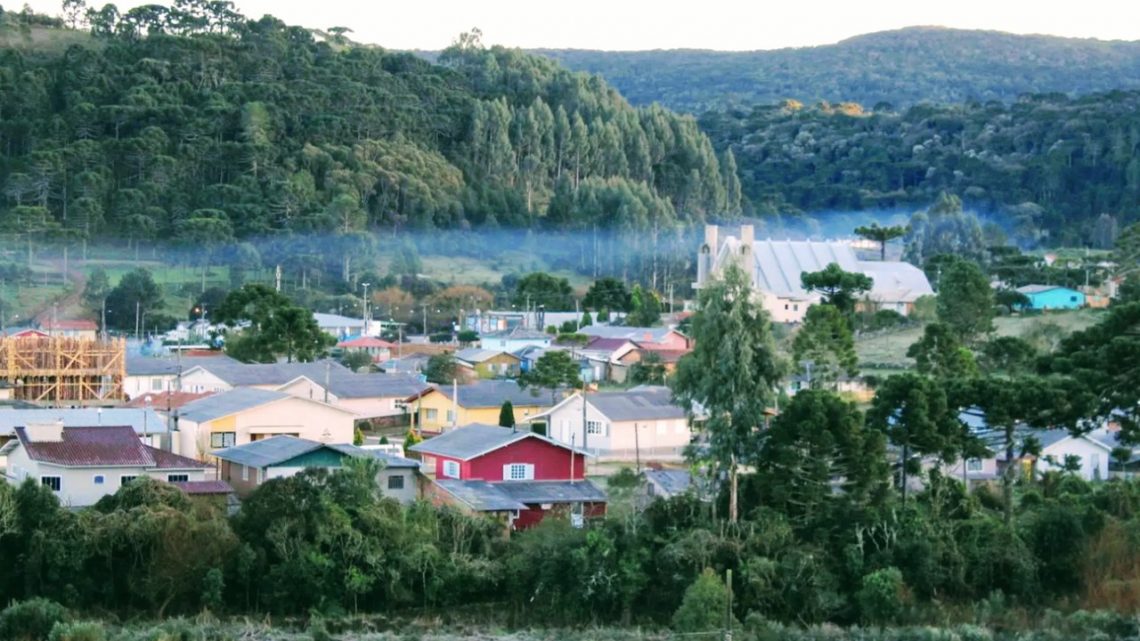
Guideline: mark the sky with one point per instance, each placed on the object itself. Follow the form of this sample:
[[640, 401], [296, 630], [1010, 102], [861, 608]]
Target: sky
[[666, 24]]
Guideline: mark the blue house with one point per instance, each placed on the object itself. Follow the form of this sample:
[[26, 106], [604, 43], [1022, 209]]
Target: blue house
[[1052, 297]]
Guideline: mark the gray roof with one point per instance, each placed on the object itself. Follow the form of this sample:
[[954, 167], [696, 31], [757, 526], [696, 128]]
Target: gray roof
[[336, 321], [1037, 289], [279, 449], [644, 334], [153, 366], [476, 355], [399, 385], [645, 404], [670, 482], [470, 441], [240, 374], [143, 421], [485, 496], [493, 393], [226, 403], [519, 333]]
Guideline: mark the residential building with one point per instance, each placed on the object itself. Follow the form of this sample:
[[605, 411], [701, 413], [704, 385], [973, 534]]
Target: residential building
[[1092, 451], [407, 364], [1047, 297], [640, 424], [245, 467], [83, 464], [665, 338], [150, 428], [776, 267], [71, 328], [489, 363], [665, 484], [447, 406], [379, 350], [222, 375], [516, 474], [487, 322], [245, 415], [514, 339], [151, 375], [365, 395], [340, 327]]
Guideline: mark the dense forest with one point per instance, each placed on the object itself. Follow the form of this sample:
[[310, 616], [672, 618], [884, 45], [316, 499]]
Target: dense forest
[[903, 67], [196, 124], [1051, 169]]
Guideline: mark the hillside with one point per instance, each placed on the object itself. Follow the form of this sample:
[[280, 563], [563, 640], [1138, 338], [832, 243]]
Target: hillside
[[903, 67], [203, 126], [1048, 168]]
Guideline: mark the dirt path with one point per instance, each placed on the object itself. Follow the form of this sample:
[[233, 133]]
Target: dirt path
[[69, 306]]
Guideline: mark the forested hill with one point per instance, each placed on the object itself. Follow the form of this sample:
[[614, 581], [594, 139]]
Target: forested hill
[[1045, 165], [200, 125], [903, 67]]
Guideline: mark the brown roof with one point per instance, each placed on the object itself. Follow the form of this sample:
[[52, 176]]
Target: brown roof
[[102, 446], [204, 487], [164, 400]]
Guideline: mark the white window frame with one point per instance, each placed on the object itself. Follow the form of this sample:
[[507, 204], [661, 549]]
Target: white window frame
[[431, 414], [126, 478], [451, 469], [222, 439], [518, 472], [595, 428], [177, 478], [156, 384], [58, 481]]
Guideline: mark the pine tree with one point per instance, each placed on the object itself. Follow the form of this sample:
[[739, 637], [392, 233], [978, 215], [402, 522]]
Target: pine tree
[[507, 415]]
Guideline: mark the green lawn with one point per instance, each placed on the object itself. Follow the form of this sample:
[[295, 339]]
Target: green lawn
[[888, 351], [462, 270]]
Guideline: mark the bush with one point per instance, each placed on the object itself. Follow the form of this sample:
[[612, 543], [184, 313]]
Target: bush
[[881, 596], [78, 631], [30, 620], [702, 608]]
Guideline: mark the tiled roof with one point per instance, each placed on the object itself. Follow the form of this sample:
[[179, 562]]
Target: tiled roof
[[104, 446], [226, 403], [165, 400], [203, 488], [143, 421]]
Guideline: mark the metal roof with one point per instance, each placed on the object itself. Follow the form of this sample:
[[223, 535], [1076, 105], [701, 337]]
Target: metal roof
[[238, 374], [645, 334], [226, 403], [480, 496], [648, 404], [671, 482], [470, 441], [152, 366], [552, 491], [142, 421], [1037, 289], [519, 333], [393, 385], [476, 355], [493, 393], [280, 449], [336, 321]]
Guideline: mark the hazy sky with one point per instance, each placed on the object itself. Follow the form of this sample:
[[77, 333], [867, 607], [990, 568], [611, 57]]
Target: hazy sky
[[661, 24]]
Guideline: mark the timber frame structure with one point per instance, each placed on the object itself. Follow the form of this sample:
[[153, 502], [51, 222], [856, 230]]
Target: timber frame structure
[[63, 372]]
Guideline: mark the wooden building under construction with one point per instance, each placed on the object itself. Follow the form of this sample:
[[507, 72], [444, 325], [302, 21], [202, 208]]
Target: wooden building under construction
[[61, 371]]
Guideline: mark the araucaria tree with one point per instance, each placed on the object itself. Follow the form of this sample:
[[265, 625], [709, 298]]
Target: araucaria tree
[[881, 235], [823, 348], [731, 373], [276, 327], [838, 287]]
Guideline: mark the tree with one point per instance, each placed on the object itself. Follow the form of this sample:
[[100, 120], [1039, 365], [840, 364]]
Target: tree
[[649, 370], [441, 369], [965, 300], [97, 289], [944, 228], [732, 373], [645, 308], [881, 235], [1011, 299], [941, 354], [839, 288], [540, 289], [881, 596], [276, 327], [703, 607], [135, 296], [1008, 355], [356, 359], [507, 415], [823, 348], [553, 370], [609, 294]]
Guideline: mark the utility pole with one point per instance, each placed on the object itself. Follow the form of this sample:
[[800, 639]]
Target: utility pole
[[728, 606], [137, 319], [425, 320], [637, 446], [585, 430], [366, 317], [103, 318]]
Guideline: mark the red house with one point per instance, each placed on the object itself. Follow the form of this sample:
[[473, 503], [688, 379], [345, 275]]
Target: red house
[[517, 475]]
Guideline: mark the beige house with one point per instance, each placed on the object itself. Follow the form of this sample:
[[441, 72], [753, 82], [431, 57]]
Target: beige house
[[641, 423], [245, 415], [365, 395], [83, 464], [223, 375]]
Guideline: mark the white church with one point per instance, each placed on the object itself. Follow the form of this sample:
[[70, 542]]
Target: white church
[[776, 267]]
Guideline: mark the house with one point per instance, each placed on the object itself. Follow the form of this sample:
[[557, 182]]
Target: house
[[608, 353], [641, 424], [1093, 451], [1046, 297], [776, 267], [245, 415], [441, 407], [245, 467], [83, 464], [25, 332], [150, 428], [487, 322], [665, 484], [514, 339], [223, 375], [367, 396], [214, 493], [166, 401], [79, 328], [406, 364], [489, 363], [379, 350], [517, 475], [664, 338], [150, 375], [340, 327]]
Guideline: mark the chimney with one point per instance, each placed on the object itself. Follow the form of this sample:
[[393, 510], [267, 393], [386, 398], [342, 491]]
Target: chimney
[[711, 232], [46, 432]]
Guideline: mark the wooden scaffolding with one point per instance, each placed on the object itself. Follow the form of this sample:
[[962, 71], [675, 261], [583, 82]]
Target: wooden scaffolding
[[62, 371]]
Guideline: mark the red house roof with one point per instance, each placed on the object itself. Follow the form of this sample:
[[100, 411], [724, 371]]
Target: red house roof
[[204, 488], [163, 400], [102, 446], [28, 333], [78, 325], [366, 342]]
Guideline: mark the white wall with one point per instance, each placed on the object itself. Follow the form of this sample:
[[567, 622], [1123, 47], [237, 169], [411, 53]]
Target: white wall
[[198, 381], [135, 386], [1094, 457], [300, 417]]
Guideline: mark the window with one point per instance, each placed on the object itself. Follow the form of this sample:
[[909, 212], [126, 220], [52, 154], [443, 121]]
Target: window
[[594, 427], [123, 480], [245, 473], [450, 416], [1072, 299], [98, 479], [451, 469], [518, 472], [156, 384], [786, 306], [431, 414], [177, 478], [395, 482], [796, 307], [974, 465], [52, 482], [223, 439]]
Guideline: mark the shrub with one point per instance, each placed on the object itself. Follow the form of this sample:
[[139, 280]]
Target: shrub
[[78, 631], [881, 596], [30, 620], [702, 608]]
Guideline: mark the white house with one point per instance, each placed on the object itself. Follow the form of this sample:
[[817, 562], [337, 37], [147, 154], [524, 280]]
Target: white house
[[340, 327], [149, 427], [514, 339], [776, 267], [365, 395], [1093, 451], [83, 464], [642, 423], [223, 375], [151, 375]]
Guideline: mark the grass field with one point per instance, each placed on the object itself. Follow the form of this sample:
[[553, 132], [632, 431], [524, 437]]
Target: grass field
[[888, 351], [462, 270]]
